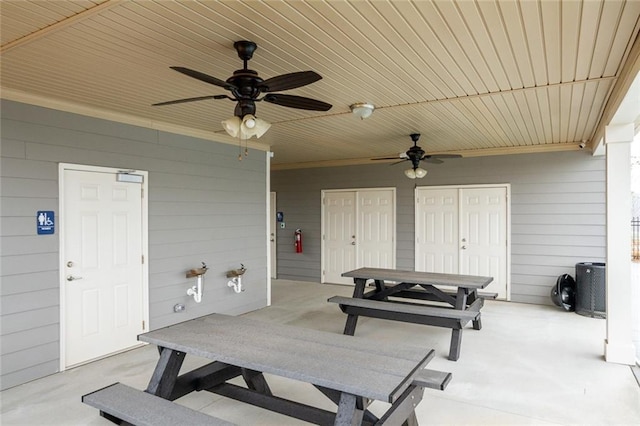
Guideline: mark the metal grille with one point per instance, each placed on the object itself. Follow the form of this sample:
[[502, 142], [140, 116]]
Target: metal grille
[[590, 289]]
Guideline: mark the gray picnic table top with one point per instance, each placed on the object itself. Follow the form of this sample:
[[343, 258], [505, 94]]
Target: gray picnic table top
[[353, 365], [415, 277]]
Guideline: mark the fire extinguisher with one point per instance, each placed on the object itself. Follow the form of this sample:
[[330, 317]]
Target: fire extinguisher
[[298, 240]]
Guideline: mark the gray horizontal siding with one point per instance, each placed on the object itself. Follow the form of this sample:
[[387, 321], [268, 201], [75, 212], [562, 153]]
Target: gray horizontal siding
[[204, 205], [557, 212]]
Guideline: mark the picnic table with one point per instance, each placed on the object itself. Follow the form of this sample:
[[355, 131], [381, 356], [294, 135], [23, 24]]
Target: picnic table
[[350, 371], [454, 308]]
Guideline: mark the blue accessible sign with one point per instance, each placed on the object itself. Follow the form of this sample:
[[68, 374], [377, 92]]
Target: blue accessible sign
[[45, 222]]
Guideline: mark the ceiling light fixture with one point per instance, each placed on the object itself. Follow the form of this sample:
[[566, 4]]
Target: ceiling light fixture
[[362, 110], [246, 127], [415, 173]]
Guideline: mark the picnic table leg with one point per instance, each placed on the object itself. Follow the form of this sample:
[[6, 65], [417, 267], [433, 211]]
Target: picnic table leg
[[255, 381], [350, 325], [456, 334], [403, 411], [166, 372], [412, 420], [348, 413], [456, 342], [352, 320], [477, 323], [463, 300], [473, 296], [358, 290]]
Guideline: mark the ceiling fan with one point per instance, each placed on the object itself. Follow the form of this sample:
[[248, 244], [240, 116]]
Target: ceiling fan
[[415, 155], [246, 86]]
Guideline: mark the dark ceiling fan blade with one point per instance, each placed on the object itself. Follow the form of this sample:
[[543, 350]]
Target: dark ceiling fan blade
[[445, 156], [401, 161], [386, 158], [199, 98], [204, 77], [298, 102], [289, 81], [432, 160]]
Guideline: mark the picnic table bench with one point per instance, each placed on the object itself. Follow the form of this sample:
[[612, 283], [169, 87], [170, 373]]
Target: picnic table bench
[[454, 310], [350, 371], [121, 403]]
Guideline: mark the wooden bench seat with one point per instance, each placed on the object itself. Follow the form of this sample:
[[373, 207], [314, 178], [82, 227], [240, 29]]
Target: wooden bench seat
[[409, 312], [432, 379], [431, 315], [131, 406]]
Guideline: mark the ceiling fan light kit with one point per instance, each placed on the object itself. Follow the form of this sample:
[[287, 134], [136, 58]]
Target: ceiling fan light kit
[[246, 127], [362, 109], [417, 173], [249, 121], [253, 126], [246, 86], [232, 126]]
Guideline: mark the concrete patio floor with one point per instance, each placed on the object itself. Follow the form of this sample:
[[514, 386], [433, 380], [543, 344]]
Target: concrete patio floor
[[529, 365]]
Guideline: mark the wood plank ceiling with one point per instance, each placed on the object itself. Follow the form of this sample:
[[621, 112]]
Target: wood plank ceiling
[[478, 77]]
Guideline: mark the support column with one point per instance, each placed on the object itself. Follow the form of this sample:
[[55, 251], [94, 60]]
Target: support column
[[619, 345]]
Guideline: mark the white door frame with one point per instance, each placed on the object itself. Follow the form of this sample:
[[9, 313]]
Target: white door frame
[[61, 237], [507, 187], [273, 236], [356, 190], [268, 208]]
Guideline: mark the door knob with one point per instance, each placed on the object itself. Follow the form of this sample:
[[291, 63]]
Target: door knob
[[353, 243], [464, 247], [69, 264], [72, 278]]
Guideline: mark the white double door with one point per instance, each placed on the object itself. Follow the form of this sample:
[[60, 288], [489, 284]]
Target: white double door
[[358, 230], [463, 230], [103, 279]]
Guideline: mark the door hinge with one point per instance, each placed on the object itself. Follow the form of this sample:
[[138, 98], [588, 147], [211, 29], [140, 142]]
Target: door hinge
[[141, 192], [143, 324], [143, 259]]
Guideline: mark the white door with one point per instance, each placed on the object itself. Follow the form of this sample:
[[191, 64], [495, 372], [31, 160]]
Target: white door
[[437, 230], [339, 224], [464, 231], [358, 231], [103, 306], [273, 226], [374, 239], [483, 235]]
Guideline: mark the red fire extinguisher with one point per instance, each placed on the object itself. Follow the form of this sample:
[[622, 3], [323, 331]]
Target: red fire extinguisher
[[298, 240]]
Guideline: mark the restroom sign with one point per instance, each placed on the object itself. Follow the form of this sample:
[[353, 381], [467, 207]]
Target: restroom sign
[[45, 222]]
